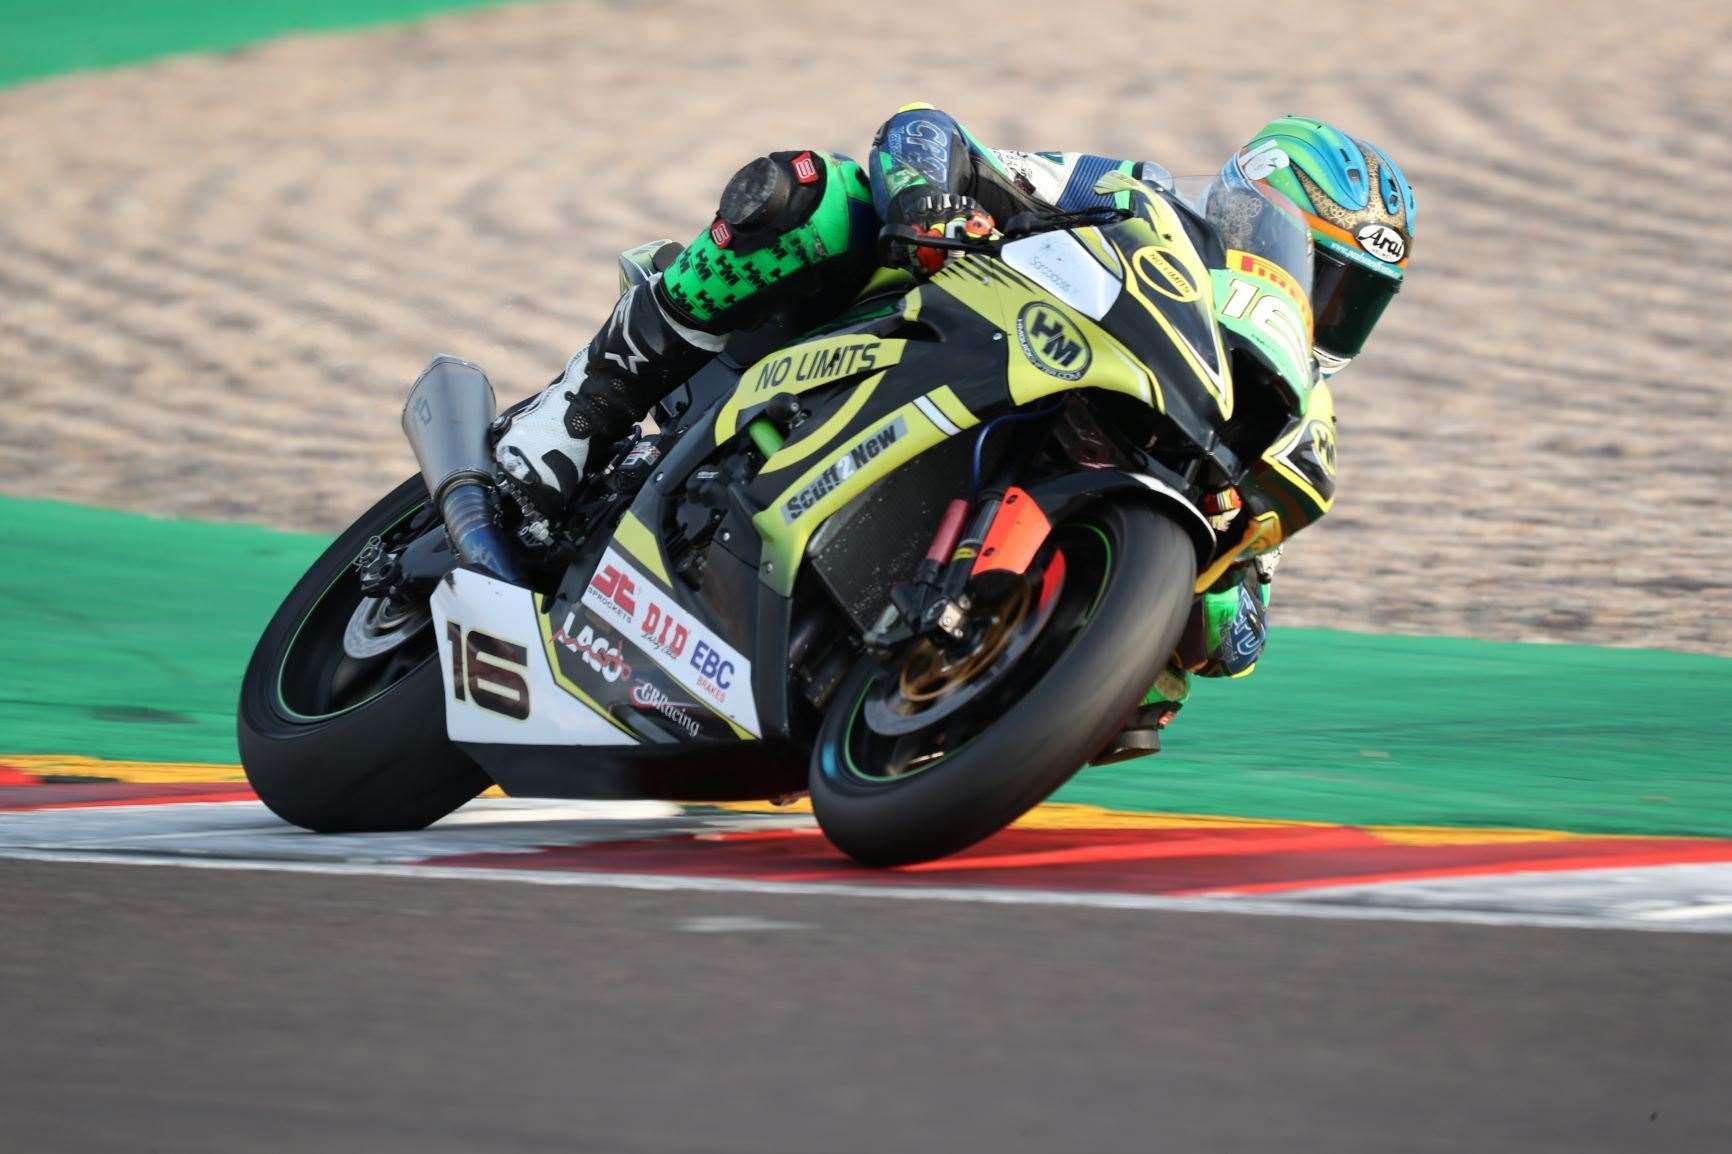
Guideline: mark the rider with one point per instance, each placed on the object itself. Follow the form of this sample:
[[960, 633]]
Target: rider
[[799, 231]]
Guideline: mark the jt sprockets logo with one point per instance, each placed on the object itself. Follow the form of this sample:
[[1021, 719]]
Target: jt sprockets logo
[[1052, 342]]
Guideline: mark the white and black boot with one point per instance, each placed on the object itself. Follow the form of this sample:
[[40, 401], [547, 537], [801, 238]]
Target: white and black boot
[[636, 359]]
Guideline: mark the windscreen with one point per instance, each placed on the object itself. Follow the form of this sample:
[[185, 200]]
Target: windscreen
[[1258, 220]]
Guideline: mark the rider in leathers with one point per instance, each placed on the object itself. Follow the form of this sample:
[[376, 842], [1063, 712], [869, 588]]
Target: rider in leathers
[[798, 231]]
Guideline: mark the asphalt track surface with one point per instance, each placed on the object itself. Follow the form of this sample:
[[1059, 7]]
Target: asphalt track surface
[[191, 1010]]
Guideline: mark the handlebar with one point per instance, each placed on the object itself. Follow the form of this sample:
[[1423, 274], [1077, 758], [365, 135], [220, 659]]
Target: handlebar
[[1021, 225]]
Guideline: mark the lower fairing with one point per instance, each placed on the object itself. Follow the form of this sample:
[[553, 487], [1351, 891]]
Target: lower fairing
[[745, 771]]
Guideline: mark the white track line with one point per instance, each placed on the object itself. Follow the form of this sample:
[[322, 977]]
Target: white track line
[[1689, 913], [659, 883]]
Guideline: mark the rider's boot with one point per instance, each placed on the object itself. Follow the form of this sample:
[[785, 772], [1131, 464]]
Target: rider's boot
[[638, 357], [1141, 735]]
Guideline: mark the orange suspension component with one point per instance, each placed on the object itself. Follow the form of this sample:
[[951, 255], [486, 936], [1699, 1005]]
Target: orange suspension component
[[1016, 535]]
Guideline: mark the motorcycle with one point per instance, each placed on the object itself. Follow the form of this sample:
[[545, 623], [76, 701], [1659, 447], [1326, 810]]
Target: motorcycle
[[922, 562]]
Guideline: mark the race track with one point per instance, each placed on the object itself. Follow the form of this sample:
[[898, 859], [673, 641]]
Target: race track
[[202, 1010], [182, 971], [1412, 888]]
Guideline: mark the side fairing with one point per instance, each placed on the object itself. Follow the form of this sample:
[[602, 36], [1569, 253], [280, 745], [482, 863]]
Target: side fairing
[[1261, 303], [500, 683], [1297, 472], [669, 634], [1290, 485]]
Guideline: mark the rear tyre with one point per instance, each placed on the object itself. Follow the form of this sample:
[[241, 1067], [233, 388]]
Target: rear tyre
[[339, 743], [889, 789]]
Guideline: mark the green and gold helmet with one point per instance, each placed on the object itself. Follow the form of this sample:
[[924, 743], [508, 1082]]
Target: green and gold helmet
[[1360, 209]]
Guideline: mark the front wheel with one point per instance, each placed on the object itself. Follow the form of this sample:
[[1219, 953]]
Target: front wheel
[[940, 751], [342, 710]]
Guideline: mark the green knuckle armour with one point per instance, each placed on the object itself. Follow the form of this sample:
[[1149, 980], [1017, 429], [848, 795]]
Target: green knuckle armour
[[726, 279]]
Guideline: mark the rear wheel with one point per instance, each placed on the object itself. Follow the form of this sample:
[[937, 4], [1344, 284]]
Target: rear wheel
[[944, 749], [342, 711]]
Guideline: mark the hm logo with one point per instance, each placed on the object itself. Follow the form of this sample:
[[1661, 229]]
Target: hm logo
[[1052, 342], [1057, 345]]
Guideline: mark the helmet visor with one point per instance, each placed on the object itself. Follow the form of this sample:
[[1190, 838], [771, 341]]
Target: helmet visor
[[1348, 300]]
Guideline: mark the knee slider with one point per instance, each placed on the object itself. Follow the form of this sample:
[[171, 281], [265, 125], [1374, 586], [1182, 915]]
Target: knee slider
[[769, 197]]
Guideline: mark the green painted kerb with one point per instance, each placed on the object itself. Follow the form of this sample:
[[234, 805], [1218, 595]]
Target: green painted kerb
[[125, 637], [44, 37], [1362, 728]]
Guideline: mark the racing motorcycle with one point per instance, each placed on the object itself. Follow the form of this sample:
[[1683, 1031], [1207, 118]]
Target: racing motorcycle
[[922, 562]]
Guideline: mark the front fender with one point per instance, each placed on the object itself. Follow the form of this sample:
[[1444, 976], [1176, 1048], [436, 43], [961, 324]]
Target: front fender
[[1061, 495]]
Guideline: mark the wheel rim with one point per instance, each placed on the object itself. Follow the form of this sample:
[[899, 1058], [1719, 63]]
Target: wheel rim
[[349, 648], [379, 625], [1082, 555]]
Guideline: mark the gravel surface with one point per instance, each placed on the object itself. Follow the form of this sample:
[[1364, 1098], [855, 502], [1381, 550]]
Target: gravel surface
[[218, 274]]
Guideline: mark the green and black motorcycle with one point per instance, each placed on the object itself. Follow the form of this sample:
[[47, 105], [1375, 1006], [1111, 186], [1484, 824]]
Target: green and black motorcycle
[[924, 563]]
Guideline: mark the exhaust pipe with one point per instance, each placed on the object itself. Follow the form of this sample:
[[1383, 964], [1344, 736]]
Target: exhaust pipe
[[446, 418]]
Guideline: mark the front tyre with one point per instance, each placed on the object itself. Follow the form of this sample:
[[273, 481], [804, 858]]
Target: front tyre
[[908, 767], [342, 711]]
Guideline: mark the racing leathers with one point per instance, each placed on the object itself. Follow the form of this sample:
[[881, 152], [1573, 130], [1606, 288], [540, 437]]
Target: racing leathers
[[797, 233]]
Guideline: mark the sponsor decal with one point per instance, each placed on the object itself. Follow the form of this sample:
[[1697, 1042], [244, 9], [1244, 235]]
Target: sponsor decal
[[1323, 445], [647, 695], [715, 671], [599, 651], [619, 331], [1082, 278], [805, 168], [1244, 640], [721, 234], [671, 636], [1306, 461], [596, 659], [1261, 161], [1382, 242], [1052, 342], [1253, 265], [664, 630], [802, 368], [616, 591], [846, 464], [924, 146], [1050, 276], [1163, 274]]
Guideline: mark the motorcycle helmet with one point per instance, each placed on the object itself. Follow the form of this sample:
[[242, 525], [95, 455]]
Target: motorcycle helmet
[[1360, 210]]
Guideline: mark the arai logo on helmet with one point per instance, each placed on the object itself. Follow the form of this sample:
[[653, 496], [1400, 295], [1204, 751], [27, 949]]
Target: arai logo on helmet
[[1382, 242], [1260, 161]]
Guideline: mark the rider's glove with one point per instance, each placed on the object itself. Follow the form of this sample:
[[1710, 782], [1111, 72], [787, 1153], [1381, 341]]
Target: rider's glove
[[943, 214]]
